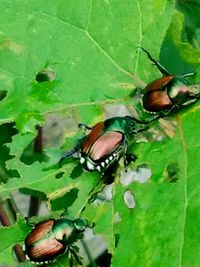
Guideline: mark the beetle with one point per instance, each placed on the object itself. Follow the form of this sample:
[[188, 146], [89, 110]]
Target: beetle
[[106, 143], [169, 93], [51, 238]]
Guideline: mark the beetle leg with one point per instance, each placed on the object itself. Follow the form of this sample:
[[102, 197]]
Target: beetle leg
[[157, 63], [167, 112], [69, 154], [95, 190], [128, 158], [82, 125], [146, 127], [75, 255], [145, 123], [154, 117], [70, 258], [162, 114], [138, 121]]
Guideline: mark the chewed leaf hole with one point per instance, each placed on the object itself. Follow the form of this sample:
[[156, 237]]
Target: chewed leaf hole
[[117, 217], [59, 175], [45, 76], [3, 94], [105, 195], [172, 172], [142, 174], [129, 199]]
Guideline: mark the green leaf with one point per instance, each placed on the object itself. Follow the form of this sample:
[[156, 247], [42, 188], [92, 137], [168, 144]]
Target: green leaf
[[159, 231], [188, 53], [94, 41], [93, 50], [11, 236], [7, 130], [103, 217], [192, 24]]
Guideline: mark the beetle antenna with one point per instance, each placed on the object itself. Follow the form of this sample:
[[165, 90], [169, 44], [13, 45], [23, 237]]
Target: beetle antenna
[[74, 254], [157, 63], [85, 126], [68, 154], [155, 117], [70, 258]]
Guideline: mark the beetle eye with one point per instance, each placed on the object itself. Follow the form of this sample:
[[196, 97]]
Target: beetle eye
[[80, 224]]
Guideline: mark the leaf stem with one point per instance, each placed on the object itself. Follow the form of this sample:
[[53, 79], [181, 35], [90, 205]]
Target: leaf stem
[[7, 218], [38, 147]]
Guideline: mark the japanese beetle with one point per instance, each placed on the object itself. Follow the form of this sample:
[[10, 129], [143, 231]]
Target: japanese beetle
[[51, 238], [106, 143], [169, 93]]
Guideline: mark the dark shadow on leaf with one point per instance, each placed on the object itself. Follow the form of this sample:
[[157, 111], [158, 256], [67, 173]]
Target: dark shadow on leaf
[[65, 161], [32, 192], [28, 156], [109, 174], [59, 175], [3, 94], [58, 166], [172, 172], [7, 131], [77, 172], [65, 201]]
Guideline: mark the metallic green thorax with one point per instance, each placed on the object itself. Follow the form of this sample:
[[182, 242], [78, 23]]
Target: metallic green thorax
[[126, 125], [67, 231], [64, 230]]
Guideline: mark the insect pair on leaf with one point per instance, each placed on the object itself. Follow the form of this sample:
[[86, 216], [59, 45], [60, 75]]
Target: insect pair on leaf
[[107, 141]]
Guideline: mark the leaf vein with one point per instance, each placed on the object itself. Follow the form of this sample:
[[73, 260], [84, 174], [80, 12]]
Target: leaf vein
[[108, 56], [140, 35], [15, 74], [93, 41], [63, 21], [89, 15], [185, 188]]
